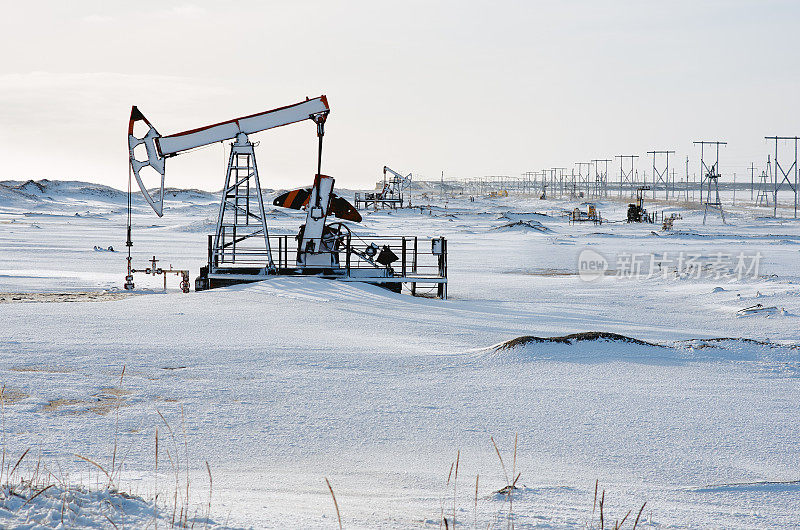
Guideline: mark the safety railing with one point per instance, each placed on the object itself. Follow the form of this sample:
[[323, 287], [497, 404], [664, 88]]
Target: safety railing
[[403, 256]]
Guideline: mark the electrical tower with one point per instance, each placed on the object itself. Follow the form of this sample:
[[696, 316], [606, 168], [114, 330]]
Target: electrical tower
[[583, 180], [600, 177], [782, 177], [559, 180], [710, 175], [528, 182], [548, 177], [762, 197], [661, 175], [627, 176]]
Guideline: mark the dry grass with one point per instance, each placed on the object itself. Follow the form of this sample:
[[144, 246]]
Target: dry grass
[[41, 369], [177, 453], [98, 296], [12, 396], [618, 524], [335, 503], [505, 515], [116, 391], [56, 404], [555, 273], [108, 399], [106, 405], [41, 479]]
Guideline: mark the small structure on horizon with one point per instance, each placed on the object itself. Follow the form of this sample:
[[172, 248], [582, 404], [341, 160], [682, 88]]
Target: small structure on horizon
[[391, 194]]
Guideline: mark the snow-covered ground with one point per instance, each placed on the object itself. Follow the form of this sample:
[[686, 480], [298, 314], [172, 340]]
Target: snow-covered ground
[[280, 384]]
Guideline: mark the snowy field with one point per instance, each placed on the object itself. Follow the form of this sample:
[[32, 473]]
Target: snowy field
[[280, 384]]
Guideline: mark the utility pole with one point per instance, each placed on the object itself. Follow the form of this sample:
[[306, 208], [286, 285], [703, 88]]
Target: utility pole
[[785, 175], [600, 177], [584, 180], [627, 175], [687, 179], [711, 176], [558, 181], [673, 183], [661, 175], [762, 197]]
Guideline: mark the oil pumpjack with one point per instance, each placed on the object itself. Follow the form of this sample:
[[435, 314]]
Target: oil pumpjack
[[242, 250], [391, 194]]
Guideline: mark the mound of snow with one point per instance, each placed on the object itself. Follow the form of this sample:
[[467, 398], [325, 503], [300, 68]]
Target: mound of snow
[[588, 336], [762, 486], [524, 225], [591, 346], [522, 216], [739, 349], [66, 193], [189, 195], [14, 192], [203, 226], [764, 356], [31, 186], [55, 506]]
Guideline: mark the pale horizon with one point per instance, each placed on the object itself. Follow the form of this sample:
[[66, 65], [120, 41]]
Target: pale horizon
[[470, 89]]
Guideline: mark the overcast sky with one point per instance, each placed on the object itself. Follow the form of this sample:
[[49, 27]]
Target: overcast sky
[[468, 88]]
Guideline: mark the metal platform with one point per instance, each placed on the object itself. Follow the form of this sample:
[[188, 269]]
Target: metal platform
[[378, 201], [411, 262]]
